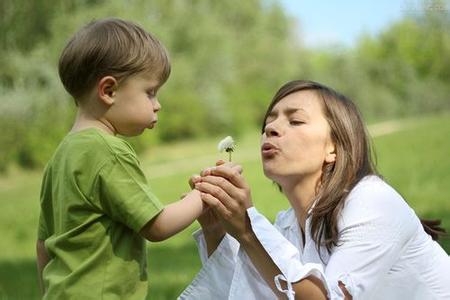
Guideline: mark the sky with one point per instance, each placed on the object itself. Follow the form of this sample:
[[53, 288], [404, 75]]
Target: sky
[[330, 22]]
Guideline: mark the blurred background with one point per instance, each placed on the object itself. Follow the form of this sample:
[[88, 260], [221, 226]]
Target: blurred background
[[228, 59]]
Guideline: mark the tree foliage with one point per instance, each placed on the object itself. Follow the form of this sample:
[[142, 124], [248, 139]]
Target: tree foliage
[[228, 59]]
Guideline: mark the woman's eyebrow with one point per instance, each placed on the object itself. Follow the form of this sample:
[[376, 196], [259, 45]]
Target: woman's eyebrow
[[292, 110], [273, 113], [287, 111]]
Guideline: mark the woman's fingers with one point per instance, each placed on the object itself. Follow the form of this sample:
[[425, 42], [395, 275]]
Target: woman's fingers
[[344, 290], [224, 184], [232, 174], [231, 165], [216, 205], [234, 221], [234, 198], [217, 192]]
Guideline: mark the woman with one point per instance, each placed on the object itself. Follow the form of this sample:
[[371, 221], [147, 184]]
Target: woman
[[348, 233]]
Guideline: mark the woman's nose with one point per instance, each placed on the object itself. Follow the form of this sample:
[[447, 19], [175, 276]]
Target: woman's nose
[[271, 130]]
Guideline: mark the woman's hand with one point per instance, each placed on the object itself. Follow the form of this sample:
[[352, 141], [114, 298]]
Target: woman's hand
[[213, 230], [228, 195], [208, 220]]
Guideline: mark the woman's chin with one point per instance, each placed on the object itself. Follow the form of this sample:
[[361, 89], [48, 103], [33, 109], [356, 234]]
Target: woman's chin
[[270, 172]]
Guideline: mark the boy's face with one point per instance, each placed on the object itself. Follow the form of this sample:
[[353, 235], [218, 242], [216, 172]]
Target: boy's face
[[135, 105]]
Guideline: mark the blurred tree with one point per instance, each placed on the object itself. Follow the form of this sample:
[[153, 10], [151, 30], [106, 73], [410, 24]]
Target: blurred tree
[[228, 58], [412, 60]]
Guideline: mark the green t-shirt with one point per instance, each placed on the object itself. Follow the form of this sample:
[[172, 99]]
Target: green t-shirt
[[94, 200]]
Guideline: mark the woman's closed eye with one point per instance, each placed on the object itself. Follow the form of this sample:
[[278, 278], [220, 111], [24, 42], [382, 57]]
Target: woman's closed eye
[[296, 122]]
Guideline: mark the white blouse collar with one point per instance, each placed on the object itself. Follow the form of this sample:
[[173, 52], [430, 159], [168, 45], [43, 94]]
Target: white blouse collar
[[289, 218]]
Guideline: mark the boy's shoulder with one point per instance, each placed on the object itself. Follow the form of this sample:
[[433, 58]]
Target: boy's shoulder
[[91, 146]]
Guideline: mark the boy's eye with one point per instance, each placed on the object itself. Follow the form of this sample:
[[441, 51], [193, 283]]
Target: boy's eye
[[151, 94]]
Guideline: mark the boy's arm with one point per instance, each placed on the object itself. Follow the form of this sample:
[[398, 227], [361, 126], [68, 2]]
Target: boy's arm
[[42, 261], [174, 218]]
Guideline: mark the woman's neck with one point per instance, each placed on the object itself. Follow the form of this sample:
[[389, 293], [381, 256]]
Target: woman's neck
[[301, 195]]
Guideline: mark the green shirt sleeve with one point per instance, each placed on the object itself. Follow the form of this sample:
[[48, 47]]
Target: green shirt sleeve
[[42, 228], [43, 233], [124, 193]]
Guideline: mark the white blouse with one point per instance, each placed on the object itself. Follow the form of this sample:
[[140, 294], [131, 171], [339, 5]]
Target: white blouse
[[383, 253]]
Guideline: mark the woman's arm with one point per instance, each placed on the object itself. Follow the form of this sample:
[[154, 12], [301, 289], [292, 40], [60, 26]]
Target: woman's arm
[[375, 227], [227, 193], [307, 288], [213, 231]]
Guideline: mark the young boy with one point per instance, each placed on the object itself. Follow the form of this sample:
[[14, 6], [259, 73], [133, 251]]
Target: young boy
[[96, 205]]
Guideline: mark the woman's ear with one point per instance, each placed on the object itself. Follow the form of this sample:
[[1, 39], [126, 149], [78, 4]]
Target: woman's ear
[[106, 89], [330, 156]]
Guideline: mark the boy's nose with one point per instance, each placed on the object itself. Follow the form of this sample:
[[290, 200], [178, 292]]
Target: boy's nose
[[156, 105]]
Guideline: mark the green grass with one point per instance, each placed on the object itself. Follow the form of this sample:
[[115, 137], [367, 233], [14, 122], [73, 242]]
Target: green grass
[[414, 160]]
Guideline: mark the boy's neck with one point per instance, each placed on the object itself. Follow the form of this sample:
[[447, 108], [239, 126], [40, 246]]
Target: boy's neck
[[86, 120]]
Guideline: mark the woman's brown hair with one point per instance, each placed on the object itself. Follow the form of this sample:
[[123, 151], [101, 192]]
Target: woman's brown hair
[[354, 160]]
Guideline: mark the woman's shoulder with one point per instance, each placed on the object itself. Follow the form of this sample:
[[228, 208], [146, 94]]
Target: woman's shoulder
[[373, 201], [374, 193]]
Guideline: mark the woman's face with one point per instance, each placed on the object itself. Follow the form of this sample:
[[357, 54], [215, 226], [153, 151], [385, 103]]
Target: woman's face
[[296, 141]]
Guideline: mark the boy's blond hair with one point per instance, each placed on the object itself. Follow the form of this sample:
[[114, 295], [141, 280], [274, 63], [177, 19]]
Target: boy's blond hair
[[110, 47]]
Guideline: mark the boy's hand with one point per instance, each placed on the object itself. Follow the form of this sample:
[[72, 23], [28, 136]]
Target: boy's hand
[[226, 192], [213, 229], [193, 180], [208, 220]]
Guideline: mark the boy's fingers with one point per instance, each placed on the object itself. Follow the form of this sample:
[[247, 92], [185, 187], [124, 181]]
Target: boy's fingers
[[205, 172], [193, 180], [220, 162]]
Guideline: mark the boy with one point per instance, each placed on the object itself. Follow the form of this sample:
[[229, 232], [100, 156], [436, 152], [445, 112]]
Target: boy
[[96, 205]]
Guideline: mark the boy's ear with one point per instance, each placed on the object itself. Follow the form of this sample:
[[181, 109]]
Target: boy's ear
[[106, 88]]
